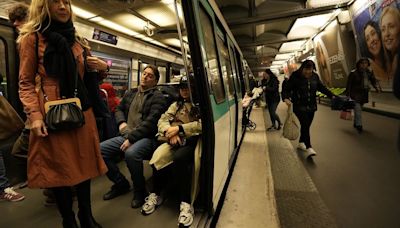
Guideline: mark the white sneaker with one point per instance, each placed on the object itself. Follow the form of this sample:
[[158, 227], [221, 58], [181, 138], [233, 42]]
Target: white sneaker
[[310, 152], [9, 194], [151, 203], [302, 146], [185, 218]]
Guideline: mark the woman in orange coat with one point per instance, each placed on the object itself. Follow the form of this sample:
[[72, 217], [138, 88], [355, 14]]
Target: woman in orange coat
[[58, 160]]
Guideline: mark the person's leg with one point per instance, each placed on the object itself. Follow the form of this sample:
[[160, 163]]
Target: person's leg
[[357, 116], [276, 117], [305, 119], [271, 111], [84, 203], [63, 196], [111, 152], [134, 156], [3, 178]]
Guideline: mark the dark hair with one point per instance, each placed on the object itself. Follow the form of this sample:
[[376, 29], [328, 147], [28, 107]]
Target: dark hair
[[269, 72], [374, 25], [307, 64], [155, 71], [18, 12], [362, 60]]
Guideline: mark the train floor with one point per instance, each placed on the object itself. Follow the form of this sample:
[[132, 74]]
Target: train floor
[[353, 182], [116, 213]]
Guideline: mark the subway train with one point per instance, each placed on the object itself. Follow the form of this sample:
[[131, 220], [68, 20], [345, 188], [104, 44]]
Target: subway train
[[219, 79]]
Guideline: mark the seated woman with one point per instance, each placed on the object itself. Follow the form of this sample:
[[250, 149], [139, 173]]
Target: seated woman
[[180, 127]]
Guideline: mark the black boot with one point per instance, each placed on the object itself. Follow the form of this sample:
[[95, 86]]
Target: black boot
[[85, 209], [63, 197]]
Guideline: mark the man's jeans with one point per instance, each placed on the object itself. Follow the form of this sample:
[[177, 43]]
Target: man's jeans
[[357, 114], [134, 156], [3, 179]]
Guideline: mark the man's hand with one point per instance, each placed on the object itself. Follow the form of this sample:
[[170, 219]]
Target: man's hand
[[122, 126], [39, 128], [95, 63], [125, 145]]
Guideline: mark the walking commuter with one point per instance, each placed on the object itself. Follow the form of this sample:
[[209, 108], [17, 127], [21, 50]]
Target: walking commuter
[[358, 86], [180, 125], [300, 91], [51, 52], [136, 117], [270, 84]]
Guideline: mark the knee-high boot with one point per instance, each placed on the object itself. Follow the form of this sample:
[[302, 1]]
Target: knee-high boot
[[85, 209], [63, 198]]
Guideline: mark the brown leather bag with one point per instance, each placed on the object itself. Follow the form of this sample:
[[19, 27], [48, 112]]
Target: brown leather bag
[[10, 122]]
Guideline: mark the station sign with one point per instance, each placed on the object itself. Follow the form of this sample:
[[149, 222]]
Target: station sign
[[104, 36]]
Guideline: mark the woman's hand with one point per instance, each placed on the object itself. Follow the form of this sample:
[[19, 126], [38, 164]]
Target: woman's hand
[[39, 128], [175, 140], [95, 63], [172, 131], [288, 102]]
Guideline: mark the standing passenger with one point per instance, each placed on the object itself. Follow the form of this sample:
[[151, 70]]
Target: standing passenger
[[300, 90], [358, 86], [18, 15], [270, 85], [62, 159], [137, 117]]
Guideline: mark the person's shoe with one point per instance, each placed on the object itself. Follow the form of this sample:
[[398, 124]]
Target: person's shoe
[[116, 190], [302, 146], [271, 128], [86, 219], [186, 215], [10, 195], [151, 203], [359, 129], [310, 152], [279, 127], [49, 202]]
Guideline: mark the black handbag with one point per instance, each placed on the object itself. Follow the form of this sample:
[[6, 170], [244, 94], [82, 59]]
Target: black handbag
[[64, 114]]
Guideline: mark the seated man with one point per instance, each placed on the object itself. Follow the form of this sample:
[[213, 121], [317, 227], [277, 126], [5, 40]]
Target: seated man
[[137, 116]]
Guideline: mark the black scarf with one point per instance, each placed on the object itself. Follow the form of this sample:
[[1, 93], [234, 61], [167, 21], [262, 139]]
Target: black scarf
[[59, 60]]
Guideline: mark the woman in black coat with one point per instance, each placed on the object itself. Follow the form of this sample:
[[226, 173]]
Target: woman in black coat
[[300, 91], [270, 86]]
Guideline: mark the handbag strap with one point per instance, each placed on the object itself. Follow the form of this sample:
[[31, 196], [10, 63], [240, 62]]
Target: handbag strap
[[41, 78]]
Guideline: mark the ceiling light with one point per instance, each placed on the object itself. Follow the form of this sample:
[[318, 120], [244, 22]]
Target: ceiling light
[[284, 56], [162, 16], [82, 13], [292, 46], [307, 26], [321, 3], [278, 62]]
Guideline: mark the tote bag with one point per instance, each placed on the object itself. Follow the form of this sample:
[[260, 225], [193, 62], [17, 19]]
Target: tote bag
[[291, 128], [10, 122]]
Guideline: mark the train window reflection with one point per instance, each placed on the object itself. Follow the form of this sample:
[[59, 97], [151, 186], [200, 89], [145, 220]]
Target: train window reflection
[[3, 75], [211, 56], [226, 67]]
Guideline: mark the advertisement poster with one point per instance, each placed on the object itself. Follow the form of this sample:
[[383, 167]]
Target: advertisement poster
[[377, 28], [331, 59]]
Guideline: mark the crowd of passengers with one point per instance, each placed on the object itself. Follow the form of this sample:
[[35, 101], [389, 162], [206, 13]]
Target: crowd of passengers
[[149, 124]]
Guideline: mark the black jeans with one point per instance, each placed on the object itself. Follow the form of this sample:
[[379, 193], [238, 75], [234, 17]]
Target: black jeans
[[183, 157], [272, 105], [305, 119]]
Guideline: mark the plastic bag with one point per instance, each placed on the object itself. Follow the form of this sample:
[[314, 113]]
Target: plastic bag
[[291, 128], [346, 115]]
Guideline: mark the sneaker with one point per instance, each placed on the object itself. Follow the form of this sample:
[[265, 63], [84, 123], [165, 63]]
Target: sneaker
[[302, 146], [151, 202], [186, 215], [10, 195], [310, 152]]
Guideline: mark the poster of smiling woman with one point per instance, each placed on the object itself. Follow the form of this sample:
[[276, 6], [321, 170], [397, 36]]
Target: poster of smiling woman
[[377, 28]]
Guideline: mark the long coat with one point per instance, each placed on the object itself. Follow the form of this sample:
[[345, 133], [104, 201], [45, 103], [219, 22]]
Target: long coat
[[355, 88], [62, 158]]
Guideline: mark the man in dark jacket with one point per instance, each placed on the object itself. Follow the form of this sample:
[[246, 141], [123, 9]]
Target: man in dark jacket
[[300, 91], [137, 116], [270, 84]]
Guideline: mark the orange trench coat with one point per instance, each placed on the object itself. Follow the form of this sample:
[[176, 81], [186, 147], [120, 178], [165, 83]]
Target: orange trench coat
[[64, 158]]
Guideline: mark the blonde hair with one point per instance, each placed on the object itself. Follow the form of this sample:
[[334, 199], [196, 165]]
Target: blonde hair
[[39, 10]]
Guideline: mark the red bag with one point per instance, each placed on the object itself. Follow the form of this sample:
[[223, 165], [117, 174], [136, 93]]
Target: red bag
[[346, 115]]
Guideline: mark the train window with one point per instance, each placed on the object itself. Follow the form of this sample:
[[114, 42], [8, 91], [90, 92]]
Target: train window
[[3, 75], [211, 55], [235, 69], [226, 66]]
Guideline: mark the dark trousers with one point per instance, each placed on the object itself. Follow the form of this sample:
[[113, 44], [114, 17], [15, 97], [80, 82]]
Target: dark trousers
[[182, 168], [272, 105], [305, 119], [63, 196]]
